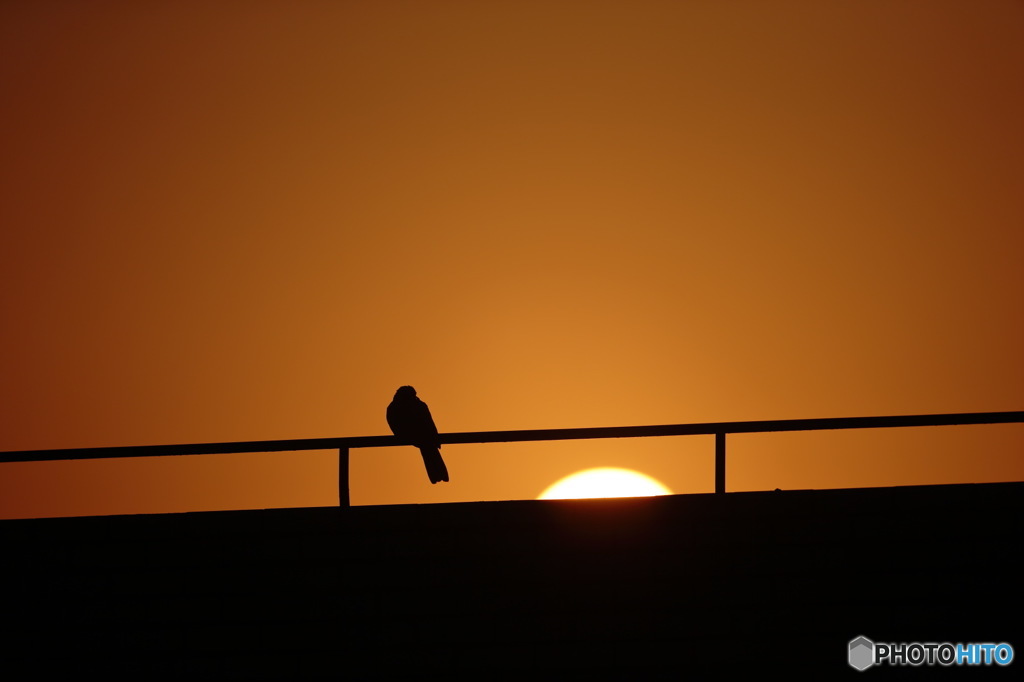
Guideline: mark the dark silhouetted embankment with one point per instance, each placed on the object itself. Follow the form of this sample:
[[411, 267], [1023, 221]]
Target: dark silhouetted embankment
[[553, 589]]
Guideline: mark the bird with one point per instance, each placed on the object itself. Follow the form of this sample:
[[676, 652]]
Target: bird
[[409, 419]]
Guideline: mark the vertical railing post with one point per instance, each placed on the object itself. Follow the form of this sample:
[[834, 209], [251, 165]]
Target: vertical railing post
[[343, 477], [719, 462]]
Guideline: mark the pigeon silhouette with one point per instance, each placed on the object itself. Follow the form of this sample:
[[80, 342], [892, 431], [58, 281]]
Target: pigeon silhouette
[[409, 419]]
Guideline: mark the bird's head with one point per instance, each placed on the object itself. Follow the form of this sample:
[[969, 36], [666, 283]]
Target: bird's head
[[405, 393]]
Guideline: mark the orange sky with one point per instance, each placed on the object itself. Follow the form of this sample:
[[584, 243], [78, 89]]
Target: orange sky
[[242, 221]]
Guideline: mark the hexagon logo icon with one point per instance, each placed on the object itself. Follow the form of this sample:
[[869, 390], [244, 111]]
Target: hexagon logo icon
[[862, 653]]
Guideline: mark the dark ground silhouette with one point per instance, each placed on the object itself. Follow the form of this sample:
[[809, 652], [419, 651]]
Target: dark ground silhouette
[[678, 587], [409, 419]]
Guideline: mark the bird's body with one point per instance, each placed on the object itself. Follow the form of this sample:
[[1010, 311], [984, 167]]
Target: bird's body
[[409, 419]]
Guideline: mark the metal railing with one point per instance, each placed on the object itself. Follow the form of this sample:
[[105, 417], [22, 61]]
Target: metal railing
[[719, 429]]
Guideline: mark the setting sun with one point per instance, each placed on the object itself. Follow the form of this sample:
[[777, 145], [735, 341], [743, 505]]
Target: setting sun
[[604, 482]]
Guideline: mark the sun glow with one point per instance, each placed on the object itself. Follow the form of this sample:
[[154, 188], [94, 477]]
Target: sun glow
[[604, 482]]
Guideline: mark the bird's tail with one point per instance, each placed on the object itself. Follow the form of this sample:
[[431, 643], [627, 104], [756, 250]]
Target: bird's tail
[[436, 469]]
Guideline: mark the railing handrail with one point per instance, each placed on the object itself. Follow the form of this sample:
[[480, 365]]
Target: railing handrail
[[343, 445], [350, 442]]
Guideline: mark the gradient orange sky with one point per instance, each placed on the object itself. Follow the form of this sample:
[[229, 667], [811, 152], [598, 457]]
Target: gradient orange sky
[[255, 220]]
